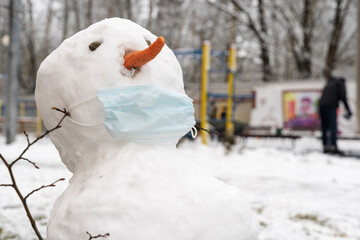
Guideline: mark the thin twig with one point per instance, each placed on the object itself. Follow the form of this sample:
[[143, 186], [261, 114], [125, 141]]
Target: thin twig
[[20, 157], [27, 160], [4, 161], [64, 111], [42, 187], [207, 130], [31, 162], [6, 185], [98, 236], [27, 137]]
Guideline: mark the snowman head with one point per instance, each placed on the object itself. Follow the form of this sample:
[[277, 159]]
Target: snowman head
[[99, 57]]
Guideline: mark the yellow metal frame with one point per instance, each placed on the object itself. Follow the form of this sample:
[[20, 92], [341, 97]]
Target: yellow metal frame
[[38, 123], [206, 58], [231, 67], [22, 107]]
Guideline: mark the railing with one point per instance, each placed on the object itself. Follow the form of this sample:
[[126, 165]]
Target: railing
[[28, 116]]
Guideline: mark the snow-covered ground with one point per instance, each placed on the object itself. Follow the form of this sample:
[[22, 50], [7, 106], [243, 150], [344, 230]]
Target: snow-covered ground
[[297, 192]]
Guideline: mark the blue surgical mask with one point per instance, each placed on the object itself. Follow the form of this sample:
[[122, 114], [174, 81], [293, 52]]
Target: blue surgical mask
[[146, 113]]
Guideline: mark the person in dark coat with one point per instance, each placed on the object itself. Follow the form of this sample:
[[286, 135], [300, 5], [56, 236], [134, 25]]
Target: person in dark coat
[[333, 92]]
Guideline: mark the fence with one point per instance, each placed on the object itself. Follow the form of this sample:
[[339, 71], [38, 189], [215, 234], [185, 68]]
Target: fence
[[28, 117]]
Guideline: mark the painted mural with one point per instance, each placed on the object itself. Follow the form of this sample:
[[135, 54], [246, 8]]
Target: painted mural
[[300, 109]]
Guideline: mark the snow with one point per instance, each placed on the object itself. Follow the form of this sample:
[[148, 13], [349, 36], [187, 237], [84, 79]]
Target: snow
[[296, 193], [127, 185], [13, 220]]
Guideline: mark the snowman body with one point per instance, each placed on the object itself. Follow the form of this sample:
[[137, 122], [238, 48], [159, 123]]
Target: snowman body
[[134, 190]]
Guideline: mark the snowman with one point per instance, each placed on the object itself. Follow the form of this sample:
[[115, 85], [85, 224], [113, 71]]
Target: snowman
[[124, 91]]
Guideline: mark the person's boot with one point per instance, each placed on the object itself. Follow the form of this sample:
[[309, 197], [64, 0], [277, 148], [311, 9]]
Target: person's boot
[[336, 151], [326, 149]]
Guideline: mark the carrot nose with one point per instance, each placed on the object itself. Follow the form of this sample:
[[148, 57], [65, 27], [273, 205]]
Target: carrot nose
[[139, 58]]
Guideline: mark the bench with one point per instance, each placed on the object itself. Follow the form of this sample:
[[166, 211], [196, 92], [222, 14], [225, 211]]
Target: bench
[[266, 132]]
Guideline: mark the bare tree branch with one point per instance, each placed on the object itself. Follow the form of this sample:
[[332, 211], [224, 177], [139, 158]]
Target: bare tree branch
[[27, 137], [335, 37], [300, 43], [342, 49], [259, 32], [64, 111], [223, 8], [6, 185], [20, 157], [98, 236], [4, 161], [294, 11], [27, 160], [43, 186], [251, 22]]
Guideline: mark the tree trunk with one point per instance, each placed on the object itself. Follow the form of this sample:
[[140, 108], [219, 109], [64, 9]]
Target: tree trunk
[[13, 67], [66, 18], [111, 10], [338, 23], [49, 18], [300, 48], [30, 36], [120, 5], [89, 14], [261, 35], [266, 69], [77, 14], [129, 10], [151, 8], [307, 31]]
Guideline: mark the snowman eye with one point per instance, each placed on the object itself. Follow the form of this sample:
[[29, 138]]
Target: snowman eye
[[94, 45]]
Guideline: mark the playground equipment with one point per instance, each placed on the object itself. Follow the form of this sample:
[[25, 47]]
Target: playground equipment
[[206, 55], [231, 73], [208, 101], [205, 70], [27, 115]]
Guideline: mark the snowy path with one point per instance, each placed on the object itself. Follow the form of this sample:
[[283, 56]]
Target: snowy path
[[296, 195]]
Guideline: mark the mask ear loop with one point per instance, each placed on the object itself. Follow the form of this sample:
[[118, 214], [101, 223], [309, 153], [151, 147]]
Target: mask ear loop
[[194, 132], [77, 104], [81, 102]]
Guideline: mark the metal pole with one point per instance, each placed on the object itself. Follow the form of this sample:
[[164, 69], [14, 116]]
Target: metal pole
[[38, 123], [12, 73], [231, 67], [204, 85]]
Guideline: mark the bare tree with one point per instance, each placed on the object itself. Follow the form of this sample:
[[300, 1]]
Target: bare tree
[[112, 11], [341, 11], [150, 17], [12, 72], [170, 21], [257, 26], [299, 22], [129, 9], [89, 13], [28, 82], [77, 12], [66, 9], [49, 20], [9, 165]]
